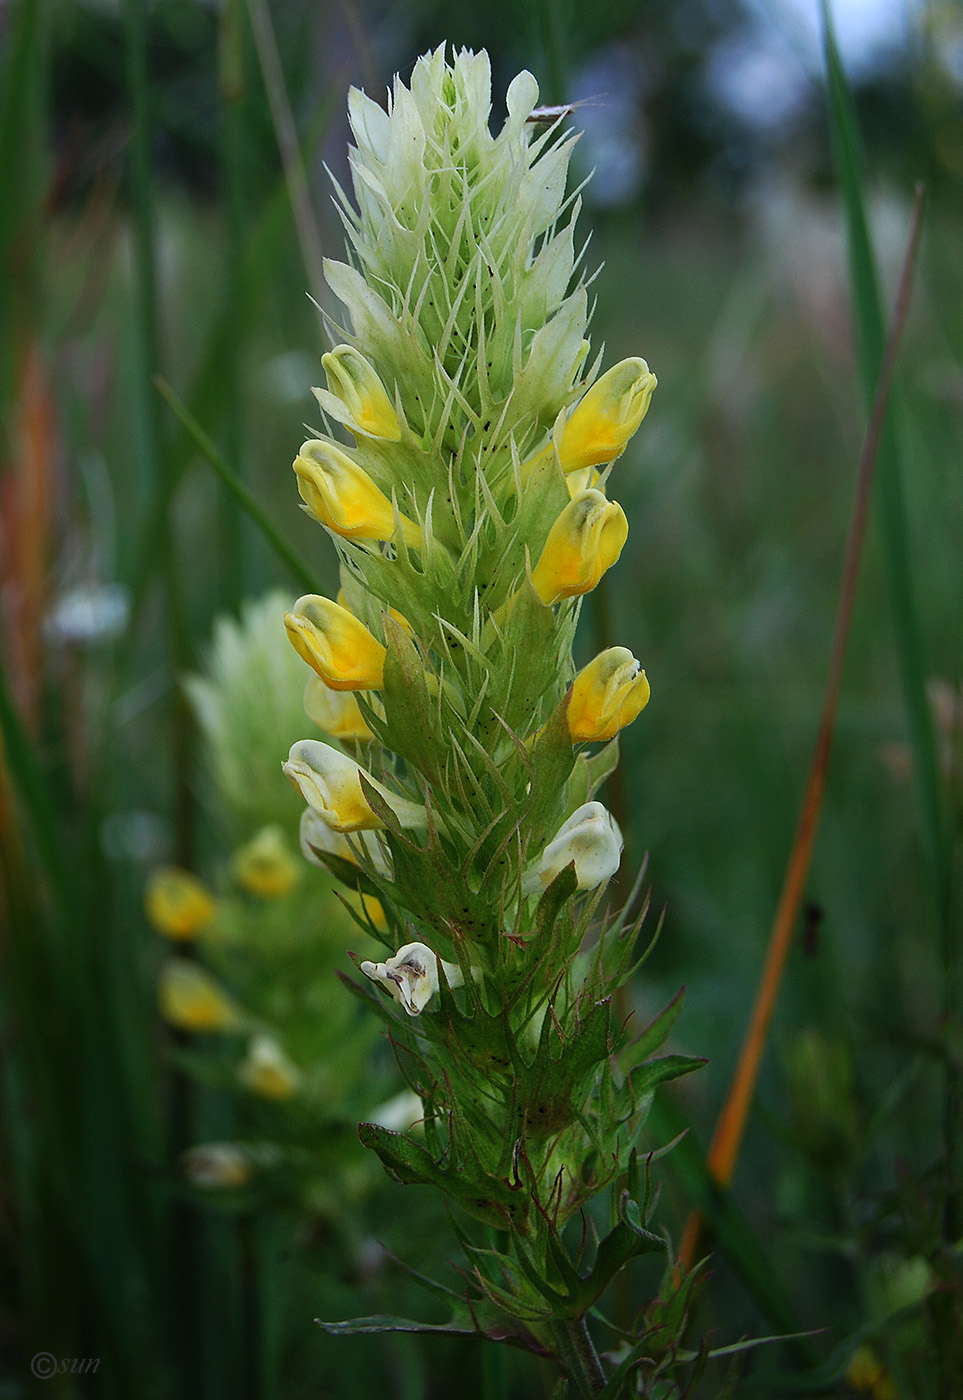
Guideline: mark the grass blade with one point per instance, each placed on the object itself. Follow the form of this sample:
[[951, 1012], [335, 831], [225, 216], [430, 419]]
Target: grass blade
[[236, 486]]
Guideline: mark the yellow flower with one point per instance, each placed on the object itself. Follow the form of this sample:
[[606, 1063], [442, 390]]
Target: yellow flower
[[607, 695], [607, 416], [585, 540], [368, 907], [341, 494], [330, 782], [265, 866], [339, 647], [353, 380], [867, 1375], [337, 712], [178, 905], [191, 1000], [268, 1071]]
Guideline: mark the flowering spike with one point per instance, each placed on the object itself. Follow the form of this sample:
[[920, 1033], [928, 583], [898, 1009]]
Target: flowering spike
[[585, 540], [607, 416], [353, 380], [339, 647], [609, 693], [341, 495]]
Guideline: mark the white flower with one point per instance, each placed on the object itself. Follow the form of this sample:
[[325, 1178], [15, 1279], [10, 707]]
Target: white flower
[[590, 839], [411, 976]]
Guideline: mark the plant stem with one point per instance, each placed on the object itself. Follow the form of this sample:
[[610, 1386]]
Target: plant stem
[[235, 485], [578, 1356]]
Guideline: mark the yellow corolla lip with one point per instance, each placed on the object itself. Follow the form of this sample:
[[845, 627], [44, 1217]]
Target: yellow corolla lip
[[586, 539], [609, 693], [341, 495], [335, 644], [607, 416]]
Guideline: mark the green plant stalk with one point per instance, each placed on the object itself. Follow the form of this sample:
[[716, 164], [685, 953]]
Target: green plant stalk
[[871, 335], [578, 1356], [235, 485]]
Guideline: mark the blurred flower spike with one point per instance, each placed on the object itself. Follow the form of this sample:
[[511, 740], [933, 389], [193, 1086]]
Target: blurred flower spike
[[411, 976], [178, 904], [609, 693]]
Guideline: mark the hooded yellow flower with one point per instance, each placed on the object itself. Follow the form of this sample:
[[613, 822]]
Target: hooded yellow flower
[[607, 695], [341, 494], [264, 866], [337, 712], [332, 641], [585, 540], [607, 416], [178, 905], [191, 999], [353, 380], [330, 782]]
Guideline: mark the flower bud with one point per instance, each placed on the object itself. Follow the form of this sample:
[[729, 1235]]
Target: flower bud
[[585, 540], [265, 866], [177, 904], [591, 839], [191, 1000], [339, 647], [267, 1070], [353, 380], [330, 782], [607, 416], [607, 695], [411, 976], [337, 712], [341, 494]]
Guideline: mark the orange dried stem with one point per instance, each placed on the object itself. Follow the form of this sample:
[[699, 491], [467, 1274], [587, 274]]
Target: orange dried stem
[[724, 1149]]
